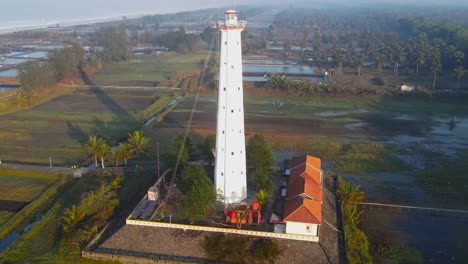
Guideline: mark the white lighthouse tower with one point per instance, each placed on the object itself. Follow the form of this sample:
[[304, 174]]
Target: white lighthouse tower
[[230, 170]]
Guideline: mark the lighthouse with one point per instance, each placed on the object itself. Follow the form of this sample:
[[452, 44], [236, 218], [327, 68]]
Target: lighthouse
[[230, 168]]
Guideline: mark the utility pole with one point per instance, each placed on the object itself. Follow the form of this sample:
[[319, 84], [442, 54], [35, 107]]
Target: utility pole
[[157, 150], [50, 161]]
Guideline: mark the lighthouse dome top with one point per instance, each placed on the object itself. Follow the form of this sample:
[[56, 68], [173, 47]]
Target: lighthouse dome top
[[233, 12]]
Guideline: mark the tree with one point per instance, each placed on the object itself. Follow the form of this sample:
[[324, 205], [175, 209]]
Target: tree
[[358, 61], [397, 53], [260, 163], [127, 153], [114, 42], [339, 58], [349, 193], [209, 144], [435, 62], [93, 146], [71, 218], [459, 57], [121, 153], [199, 193], [262, 197], [379, 63], [459, 72], [266, 249], [102, 151], [178, 151], [318, 49], [137, 143], [20, 99]]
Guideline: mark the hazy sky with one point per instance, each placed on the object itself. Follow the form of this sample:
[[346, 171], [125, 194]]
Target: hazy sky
[[42, 10]]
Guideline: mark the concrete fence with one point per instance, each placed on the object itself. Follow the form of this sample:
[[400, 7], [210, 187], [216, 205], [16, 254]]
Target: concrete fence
[[223, 230]]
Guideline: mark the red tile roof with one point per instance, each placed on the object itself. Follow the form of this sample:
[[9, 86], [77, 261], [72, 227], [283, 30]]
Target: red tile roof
[[304, 196], [303, 211], [313, 161], [304, 187], [306, 167]]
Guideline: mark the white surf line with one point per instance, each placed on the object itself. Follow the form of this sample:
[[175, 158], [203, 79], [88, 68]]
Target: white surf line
[[416, 207], [121, 87]]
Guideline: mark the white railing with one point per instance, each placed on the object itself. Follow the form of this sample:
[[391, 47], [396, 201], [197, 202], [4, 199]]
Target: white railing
[[240, 23]]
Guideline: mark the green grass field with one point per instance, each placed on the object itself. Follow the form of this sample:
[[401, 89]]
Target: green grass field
[[60, 127], [24, 186], [149, 70]]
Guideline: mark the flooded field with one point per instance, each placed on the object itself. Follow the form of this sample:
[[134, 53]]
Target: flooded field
[[8, 73]]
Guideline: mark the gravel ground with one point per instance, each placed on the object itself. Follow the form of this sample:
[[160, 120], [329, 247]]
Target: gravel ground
[[165, 243]]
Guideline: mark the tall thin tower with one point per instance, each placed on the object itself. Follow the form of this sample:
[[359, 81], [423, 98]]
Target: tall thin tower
[[230, 169]]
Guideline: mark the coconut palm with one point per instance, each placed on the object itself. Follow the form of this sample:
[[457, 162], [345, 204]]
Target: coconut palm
[[435, 62], [358, 61], [460, 72], [137, 143], [127, 153], [397, 55], [318, 49], [379, 63], [339, 58], [459, 57], [117, 154], [102, 151], [71, 218], [93, 146]]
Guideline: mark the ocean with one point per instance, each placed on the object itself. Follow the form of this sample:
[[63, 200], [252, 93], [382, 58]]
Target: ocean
[[30, 14]]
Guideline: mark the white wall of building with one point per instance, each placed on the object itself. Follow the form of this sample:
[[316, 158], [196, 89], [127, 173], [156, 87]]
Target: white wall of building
[[301, 228]]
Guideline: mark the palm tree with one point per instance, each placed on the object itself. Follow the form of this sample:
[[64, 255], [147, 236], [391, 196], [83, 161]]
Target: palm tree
[[339, 57], [420, 59], [358, 61], [460, 72], [436, 65], [71, 218], [379, 63], [421, 50], [92, 147], [459, 57], [397, 53], [126, 152], [318, 49], [103, 150], [137, 143], [117, 154]]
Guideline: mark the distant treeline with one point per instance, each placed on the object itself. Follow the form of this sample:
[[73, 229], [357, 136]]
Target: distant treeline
[[68, 61], [61, 64]]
